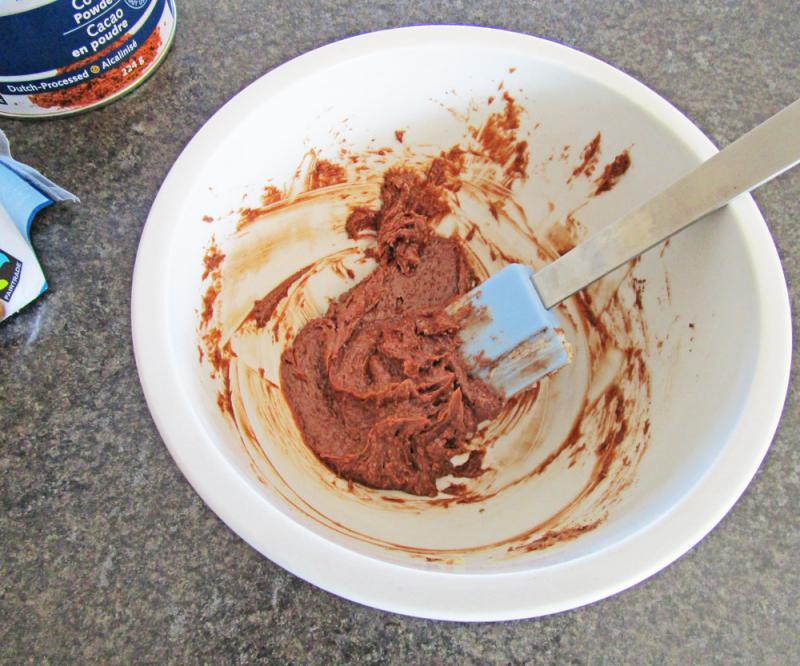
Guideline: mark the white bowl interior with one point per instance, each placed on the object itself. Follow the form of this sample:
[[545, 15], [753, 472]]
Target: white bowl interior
[[700, 374]]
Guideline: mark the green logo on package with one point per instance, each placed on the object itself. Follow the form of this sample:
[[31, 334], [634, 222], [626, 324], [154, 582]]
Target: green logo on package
[[10, 270]]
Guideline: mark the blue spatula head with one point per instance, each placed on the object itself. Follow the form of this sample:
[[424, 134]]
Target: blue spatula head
[[509, 339]]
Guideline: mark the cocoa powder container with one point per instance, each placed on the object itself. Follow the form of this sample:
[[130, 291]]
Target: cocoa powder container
[[60, 57]]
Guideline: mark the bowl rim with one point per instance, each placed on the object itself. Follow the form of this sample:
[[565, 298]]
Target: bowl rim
[[441, 594]]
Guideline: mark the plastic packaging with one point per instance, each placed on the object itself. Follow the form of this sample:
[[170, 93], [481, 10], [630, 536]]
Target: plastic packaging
[[23, 193]]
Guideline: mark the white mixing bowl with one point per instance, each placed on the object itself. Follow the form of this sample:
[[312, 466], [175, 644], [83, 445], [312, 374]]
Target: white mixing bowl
[[715, 308]]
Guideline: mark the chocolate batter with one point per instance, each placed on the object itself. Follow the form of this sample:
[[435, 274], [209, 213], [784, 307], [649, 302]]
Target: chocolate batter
[[377, 385]]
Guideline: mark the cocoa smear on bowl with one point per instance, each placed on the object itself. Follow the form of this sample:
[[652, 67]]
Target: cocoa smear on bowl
[[610, 430]]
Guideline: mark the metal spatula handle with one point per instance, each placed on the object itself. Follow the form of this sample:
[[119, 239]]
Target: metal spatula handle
[[755, 158]]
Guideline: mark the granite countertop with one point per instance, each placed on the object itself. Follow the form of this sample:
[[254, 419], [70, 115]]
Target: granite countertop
[[107, 555]]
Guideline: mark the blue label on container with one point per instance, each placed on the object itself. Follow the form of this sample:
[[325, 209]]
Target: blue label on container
[[68, 42]]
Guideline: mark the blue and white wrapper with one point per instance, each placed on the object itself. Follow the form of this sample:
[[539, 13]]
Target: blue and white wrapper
[[23, 193]]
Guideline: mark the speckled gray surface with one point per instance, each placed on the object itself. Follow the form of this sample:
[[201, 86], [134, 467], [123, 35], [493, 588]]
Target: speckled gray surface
[[107, 555]]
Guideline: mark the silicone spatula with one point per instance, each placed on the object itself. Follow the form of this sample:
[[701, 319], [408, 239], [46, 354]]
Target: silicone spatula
[[510, 335]]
